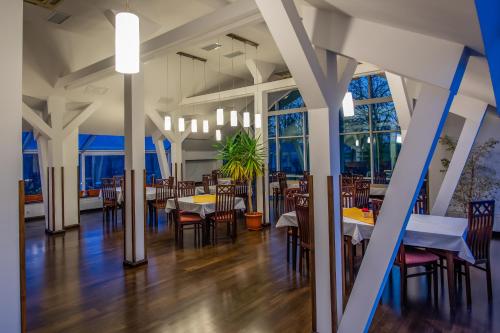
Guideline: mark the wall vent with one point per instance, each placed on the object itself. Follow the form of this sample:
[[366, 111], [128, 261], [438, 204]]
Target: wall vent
[[49, 4], [233, 54], [212, 47], [58, 17]]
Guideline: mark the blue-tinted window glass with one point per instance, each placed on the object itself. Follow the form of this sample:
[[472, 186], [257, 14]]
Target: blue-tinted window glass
[[359, 88], [355, 156], [356, 123], [152, 167], [385, 152], [291, 101], [271, 126], [272, 155], [379, 86], [384, 117], [31, 174], [291, 124], [102, 166], [292, 155]]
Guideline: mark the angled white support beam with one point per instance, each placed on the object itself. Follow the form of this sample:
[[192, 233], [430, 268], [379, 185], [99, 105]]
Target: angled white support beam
[[260, 70], [248, 91], [402, 101], [36, 121], [161, 154], [323, 94], [219, 22], [429, 116], [184, 135], [398, 51], [81, 118], [159, 122], [473, 110]]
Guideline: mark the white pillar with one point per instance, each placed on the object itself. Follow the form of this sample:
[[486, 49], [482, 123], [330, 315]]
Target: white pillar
[[176, 158], [402, 101], [43, 163], [71, 185], [135, 247], [11, 39], [161, 155], [473, 110], [261, 107]]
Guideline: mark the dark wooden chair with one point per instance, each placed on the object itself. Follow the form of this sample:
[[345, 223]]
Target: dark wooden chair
[[186, 189], [109, 199], [361, 193], [292, 232], [305, 230], [376, 206], [164, 191], [184, 221], [305, 175], [481, 215], [380, 178], [241, 190], [224, 211], [303, 186], [216, 174], [278, 194]]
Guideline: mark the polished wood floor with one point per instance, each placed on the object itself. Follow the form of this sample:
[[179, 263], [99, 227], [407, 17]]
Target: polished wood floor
[[77, 283]]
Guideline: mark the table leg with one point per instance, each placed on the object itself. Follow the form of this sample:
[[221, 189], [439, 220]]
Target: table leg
[[450, 268], [294, 248]]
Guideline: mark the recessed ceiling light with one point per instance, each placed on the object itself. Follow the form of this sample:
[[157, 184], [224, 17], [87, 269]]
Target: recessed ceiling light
[[212, 47], [233, 54], [58, 17]]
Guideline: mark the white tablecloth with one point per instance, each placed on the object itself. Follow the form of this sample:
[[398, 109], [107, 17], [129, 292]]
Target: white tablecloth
[[200, 190], [378, 189], [224, 181], [429, 231], [290, 184], [203, 209], [150, 194]]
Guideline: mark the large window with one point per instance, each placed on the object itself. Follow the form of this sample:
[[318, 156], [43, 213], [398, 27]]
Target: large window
[[371, 139]]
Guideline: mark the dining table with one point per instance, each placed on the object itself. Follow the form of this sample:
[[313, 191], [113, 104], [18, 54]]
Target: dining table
[[447, 235], [150, 194]]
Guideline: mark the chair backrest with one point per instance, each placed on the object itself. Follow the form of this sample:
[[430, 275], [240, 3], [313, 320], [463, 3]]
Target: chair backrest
[[108, 189], [376, 205], [421, 204], [380, 178], [163, 190], [224, 203], [305, 175], [302, 211], [282, 182], [241, 188], [206, 183], [290, 194], [186, 188], [216, 174], [481, 218], [361, 193], [303, 186]]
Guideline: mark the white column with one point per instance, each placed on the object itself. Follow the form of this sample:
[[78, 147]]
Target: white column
[[135, 247], [261, 107], [161, 155], [402, 101], [176, 158], [43, 163], [473, 110], [71, 186], [11, 39]]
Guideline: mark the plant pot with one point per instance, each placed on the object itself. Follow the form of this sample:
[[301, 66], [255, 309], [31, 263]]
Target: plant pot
[[253, 221]]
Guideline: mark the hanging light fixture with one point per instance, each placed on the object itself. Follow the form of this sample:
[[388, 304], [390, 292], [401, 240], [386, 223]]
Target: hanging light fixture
[[182, 125], [127, 42], [348, 105], [357, 143], [234, 118], [205, 126], [399, 139], [368, 140], [218, 135], [258, 120], [194, 125], [220, 116], [246, 119], [168, 123]]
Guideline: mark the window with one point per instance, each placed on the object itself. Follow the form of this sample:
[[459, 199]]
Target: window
[[31, 174], [102, 166]]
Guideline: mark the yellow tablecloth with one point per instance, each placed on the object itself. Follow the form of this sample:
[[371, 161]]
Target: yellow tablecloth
[[357, 214], [206, 198]]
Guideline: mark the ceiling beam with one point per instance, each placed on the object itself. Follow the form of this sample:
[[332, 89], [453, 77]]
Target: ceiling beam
[[81, 118], [37, 122], [219, 22]]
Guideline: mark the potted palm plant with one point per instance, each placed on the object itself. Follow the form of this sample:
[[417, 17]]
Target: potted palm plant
[[243, 160]]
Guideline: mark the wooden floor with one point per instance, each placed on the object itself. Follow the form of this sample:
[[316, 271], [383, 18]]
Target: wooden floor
[[77, 283]]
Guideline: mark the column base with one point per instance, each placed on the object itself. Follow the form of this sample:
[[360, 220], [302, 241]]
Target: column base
[[73, 226], [131, 264], [55, 233]]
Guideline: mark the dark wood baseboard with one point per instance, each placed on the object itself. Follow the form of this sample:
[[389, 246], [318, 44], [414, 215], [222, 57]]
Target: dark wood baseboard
[[496, 234], [73, 226], [55, 233], [130, 264]]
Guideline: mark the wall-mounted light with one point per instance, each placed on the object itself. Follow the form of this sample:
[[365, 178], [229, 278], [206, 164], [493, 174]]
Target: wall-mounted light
[[234, 118], [182, 125], [127, 43], [194, 125], [218, 135], [246, 119], [220, 116], [348, 105], [168, 123], [205, 126], [258, 120]]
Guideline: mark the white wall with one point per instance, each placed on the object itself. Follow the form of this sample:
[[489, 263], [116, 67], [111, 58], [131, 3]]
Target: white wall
[[199, 163]]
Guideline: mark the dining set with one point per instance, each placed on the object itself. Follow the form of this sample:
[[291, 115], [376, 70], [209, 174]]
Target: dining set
[[185, 206], [431, 244]]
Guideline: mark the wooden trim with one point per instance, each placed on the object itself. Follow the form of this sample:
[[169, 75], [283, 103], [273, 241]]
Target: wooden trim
[[47, 199], [331, 246], [175, 169], [132, 208], [182, 172], [78, 179], [22, 256], [310, 183], [342, 254], [53, 197], [145, 212], [62, 196], [124, 211]]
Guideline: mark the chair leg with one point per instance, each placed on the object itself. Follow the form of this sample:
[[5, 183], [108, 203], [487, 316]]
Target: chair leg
[[467, 284], [402, 271], [435, 282], [488, 281], [288, 248], [301, 254]]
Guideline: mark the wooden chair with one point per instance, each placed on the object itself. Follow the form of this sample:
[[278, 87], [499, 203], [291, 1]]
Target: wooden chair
[[184, 221], [303, 186], [186, 189], [361, 193], [278, 194], [292, 232], [380, 178], [164, 191], [481, 216], [109, 199], [241, 190], [207, 181], [216, 174], [305, 175], [376, 205], [224, 211], [305, 230], [421, 204]]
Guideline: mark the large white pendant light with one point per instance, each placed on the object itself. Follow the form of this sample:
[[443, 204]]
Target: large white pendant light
[[217, 135], [168, 123], [234, 118], [348, 105], [182, 125], [399, 139], [194, 125], [127, 43], [205, 126], [246, 119], [258, 120], [220, 116]]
